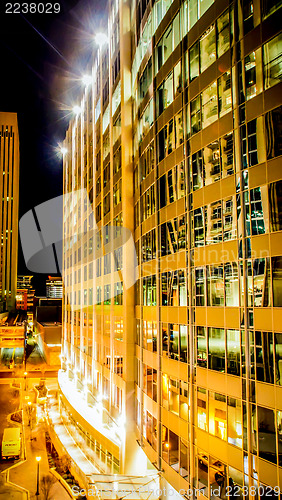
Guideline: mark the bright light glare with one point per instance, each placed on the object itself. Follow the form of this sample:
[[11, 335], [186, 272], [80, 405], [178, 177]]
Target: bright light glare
[[38, 459], [86, 80], [63, 150], [76, 110], [101, 38]]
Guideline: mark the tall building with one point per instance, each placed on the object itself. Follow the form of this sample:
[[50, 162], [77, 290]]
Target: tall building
[[24, 281], [9, 193], [178, 139], [25, 293], [54, 287]]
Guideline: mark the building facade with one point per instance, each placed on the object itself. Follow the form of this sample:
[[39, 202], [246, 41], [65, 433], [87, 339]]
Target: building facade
[[25, 293], [9, 192], [54, 287], [24, 281], [178, 140]]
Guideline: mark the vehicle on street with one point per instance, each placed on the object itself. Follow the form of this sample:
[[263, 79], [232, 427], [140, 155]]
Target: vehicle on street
[[11, 443]]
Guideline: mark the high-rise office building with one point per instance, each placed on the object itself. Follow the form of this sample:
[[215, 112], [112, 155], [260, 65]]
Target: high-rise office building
[[9, 193], [54, 287], [178, 139]]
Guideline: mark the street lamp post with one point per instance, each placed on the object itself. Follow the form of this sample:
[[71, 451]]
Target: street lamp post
[[25, 374], [37, 482]]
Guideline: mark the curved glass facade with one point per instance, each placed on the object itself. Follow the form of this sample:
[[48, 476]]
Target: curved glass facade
[[179, 141]]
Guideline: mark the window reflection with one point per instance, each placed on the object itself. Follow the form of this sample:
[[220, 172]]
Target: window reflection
[[266, 434], [234, 421], [272, 57], [275, 205], [216, 346], [250, 75], [233, 352], [218, 415], [207, 48], [202, 409], [273, 126]]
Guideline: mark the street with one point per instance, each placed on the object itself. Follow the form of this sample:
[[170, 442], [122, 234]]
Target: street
[[24, 474], [9, 403]]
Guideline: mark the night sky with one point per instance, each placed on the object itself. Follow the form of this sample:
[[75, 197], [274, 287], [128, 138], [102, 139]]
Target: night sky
[[43, 57]]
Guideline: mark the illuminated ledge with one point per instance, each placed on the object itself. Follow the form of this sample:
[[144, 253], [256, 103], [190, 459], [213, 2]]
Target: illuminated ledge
[[91, 415], [129, 487]]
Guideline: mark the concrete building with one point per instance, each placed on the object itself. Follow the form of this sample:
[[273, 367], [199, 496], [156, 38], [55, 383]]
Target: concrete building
[[177, 139], [9, 194]]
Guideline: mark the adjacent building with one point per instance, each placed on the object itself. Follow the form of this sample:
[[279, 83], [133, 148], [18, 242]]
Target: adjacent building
[[25, 293], [24, 281], [9, 194], [178, 143], [54, 287]]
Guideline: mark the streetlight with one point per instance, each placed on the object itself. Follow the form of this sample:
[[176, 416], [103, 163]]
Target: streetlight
[[63, 150], [37, 490], [76, 110], [101, 39], [87, 80]]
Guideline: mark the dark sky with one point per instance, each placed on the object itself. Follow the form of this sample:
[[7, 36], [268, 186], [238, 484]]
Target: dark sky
[[41, 83]]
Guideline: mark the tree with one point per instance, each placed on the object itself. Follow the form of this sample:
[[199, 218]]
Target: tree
[[46, 484], [64, 464]]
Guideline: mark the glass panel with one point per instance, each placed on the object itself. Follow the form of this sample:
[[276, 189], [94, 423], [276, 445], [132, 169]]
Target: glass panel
[[209, 105], [231, 284], [212, 165], [194, 58], [173, 450], [270, 6], [207, 48], [202, 409], [195, 115], [250, 75], [278, 357], [275, 205], [217, 415], [184, 459], [200, 286], [215, 286], [261, 287], [197, 170], [227, 156], [272, 57], [273, 126], [202, 346], [214, 223], [234, 408], [223, 36], [183, 330], [199, 227], [233, 352], [224, 93], [277, 281], [173, 341], [264, 357], [279, 432], [216, 343], [267, 435]]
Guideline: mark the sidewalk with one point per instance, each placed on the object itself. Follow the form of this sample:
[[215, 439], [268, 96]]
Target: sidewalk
[[10, 491]]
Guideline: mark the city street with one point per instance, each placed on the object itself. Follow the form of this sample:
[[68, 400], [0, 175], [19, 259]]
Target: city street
[[9, 403], [24, 475]]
